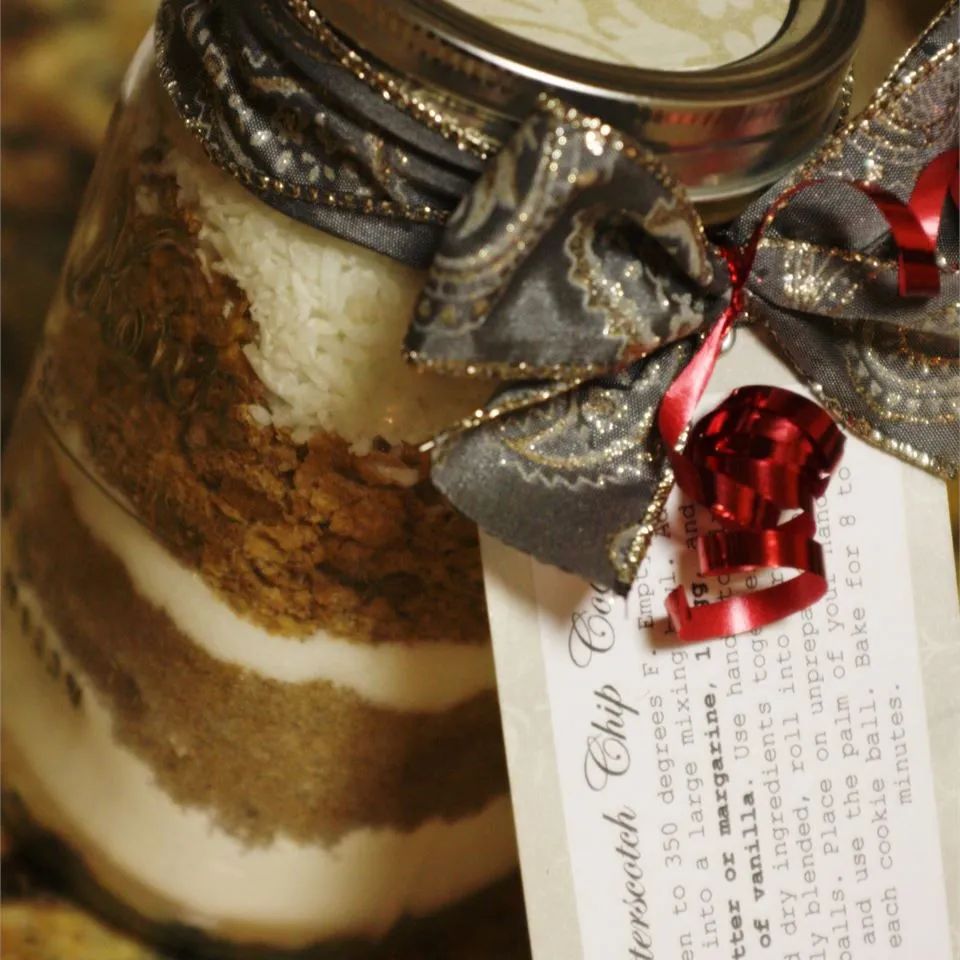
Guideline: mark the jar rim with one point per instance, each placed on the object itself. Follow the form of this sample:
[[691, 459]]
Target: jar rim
[[816, 37], [723, 130]]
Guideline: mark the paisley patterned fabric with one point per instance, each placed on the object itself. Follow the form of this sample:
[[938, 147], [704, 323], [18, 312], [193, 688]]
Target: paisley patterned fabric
[[274, 104], [574, 473], [545, 270], [576, 479], [887, 367]]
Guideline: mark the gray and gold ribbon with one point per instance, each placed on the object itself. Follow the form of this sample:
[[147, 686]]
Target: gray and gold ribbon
[[284, 105], [578, 274]]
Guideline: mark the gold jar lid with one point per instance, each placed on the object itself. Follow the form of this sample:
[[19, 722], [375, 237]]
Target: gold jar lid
[[724, 132]]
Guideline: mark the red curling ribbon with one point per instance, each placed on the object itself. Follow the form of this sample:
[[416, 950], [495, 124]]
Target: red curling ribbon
[[765, 450], [938, 178]]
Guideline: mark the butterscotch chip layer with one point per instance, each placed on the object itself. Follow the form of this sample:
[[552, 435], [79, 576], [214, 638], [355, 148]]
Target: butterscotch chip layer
[[311, 760]]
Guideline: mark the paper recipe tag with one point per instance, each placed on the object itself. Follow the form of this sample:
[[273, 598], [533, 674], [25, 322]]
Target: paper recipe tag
[[765, 796]]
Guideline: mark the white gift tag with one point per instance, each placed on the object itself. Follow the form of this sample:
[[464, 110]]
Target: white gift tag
[[765, 796]]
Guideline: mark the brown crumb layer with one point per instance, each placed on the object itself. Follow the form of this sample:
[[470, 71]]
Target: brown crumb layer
[[148, 363], [308, 760]]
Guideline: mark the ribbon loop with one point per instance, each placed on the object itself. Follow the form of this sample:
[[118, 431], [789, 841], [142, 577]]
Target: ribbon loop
[[573, 255]]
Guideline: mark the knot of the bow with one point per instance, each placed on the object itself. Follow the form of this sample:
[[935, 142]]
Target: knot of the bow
[[579, 275], [765, 450]]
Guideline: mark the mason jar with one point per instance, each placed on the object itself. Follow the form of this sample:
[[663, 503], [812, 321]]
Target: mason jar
[[248, 692]]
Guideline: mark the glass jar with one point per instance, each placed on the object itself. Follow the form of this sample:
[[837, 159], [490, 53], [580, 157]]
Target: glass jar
[[247, 682]]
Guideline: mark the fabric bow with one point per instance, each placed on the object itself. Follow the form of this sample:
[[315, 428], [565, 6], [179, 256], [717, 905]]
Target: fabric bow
[[577, 272]]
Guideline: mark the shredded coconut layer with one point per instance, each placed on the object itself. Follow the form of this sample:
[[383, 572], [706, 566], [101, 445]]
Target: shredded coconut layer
[[332, 317]]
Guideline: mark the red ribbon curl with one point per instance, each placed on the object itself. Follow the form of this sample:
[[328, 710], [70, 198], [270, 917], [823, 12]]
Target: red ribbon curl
[[762, 451], [765, 450]]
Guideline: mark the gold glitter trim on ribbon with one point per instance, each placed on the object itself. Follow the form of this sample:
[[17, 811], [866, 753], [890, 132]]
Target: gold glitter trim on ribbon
[[261, 183], [564, 154], [521, 370], [393, 88], [626, 568], [850, 256], [866, 431], [887, 93], [482, 416]]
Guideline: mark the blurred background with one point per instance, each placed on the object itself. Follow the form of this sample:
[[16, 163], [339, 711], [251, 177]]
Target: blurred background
[[61, 64]]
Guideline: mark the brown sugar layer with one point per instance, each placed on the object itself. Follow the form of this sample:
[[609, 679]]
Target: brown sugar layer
[[310, 760], [147, 362]]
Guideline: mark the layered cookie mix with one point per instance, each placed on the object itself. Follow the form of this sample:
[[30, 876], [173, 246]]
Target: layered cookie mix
[[247, 679]]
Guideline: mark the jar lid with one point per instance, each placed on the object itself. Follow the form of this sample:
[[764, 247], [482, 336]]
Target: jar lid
[[723, 131]]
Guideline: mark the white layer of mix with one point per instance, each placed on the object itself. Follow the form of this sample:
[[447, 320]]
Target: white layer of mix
[[428, 677], [173, 864], [331, 315]]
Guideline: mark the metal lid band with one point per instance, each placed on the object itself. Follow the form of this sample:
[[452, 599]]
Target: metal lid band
[[723, 131]]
